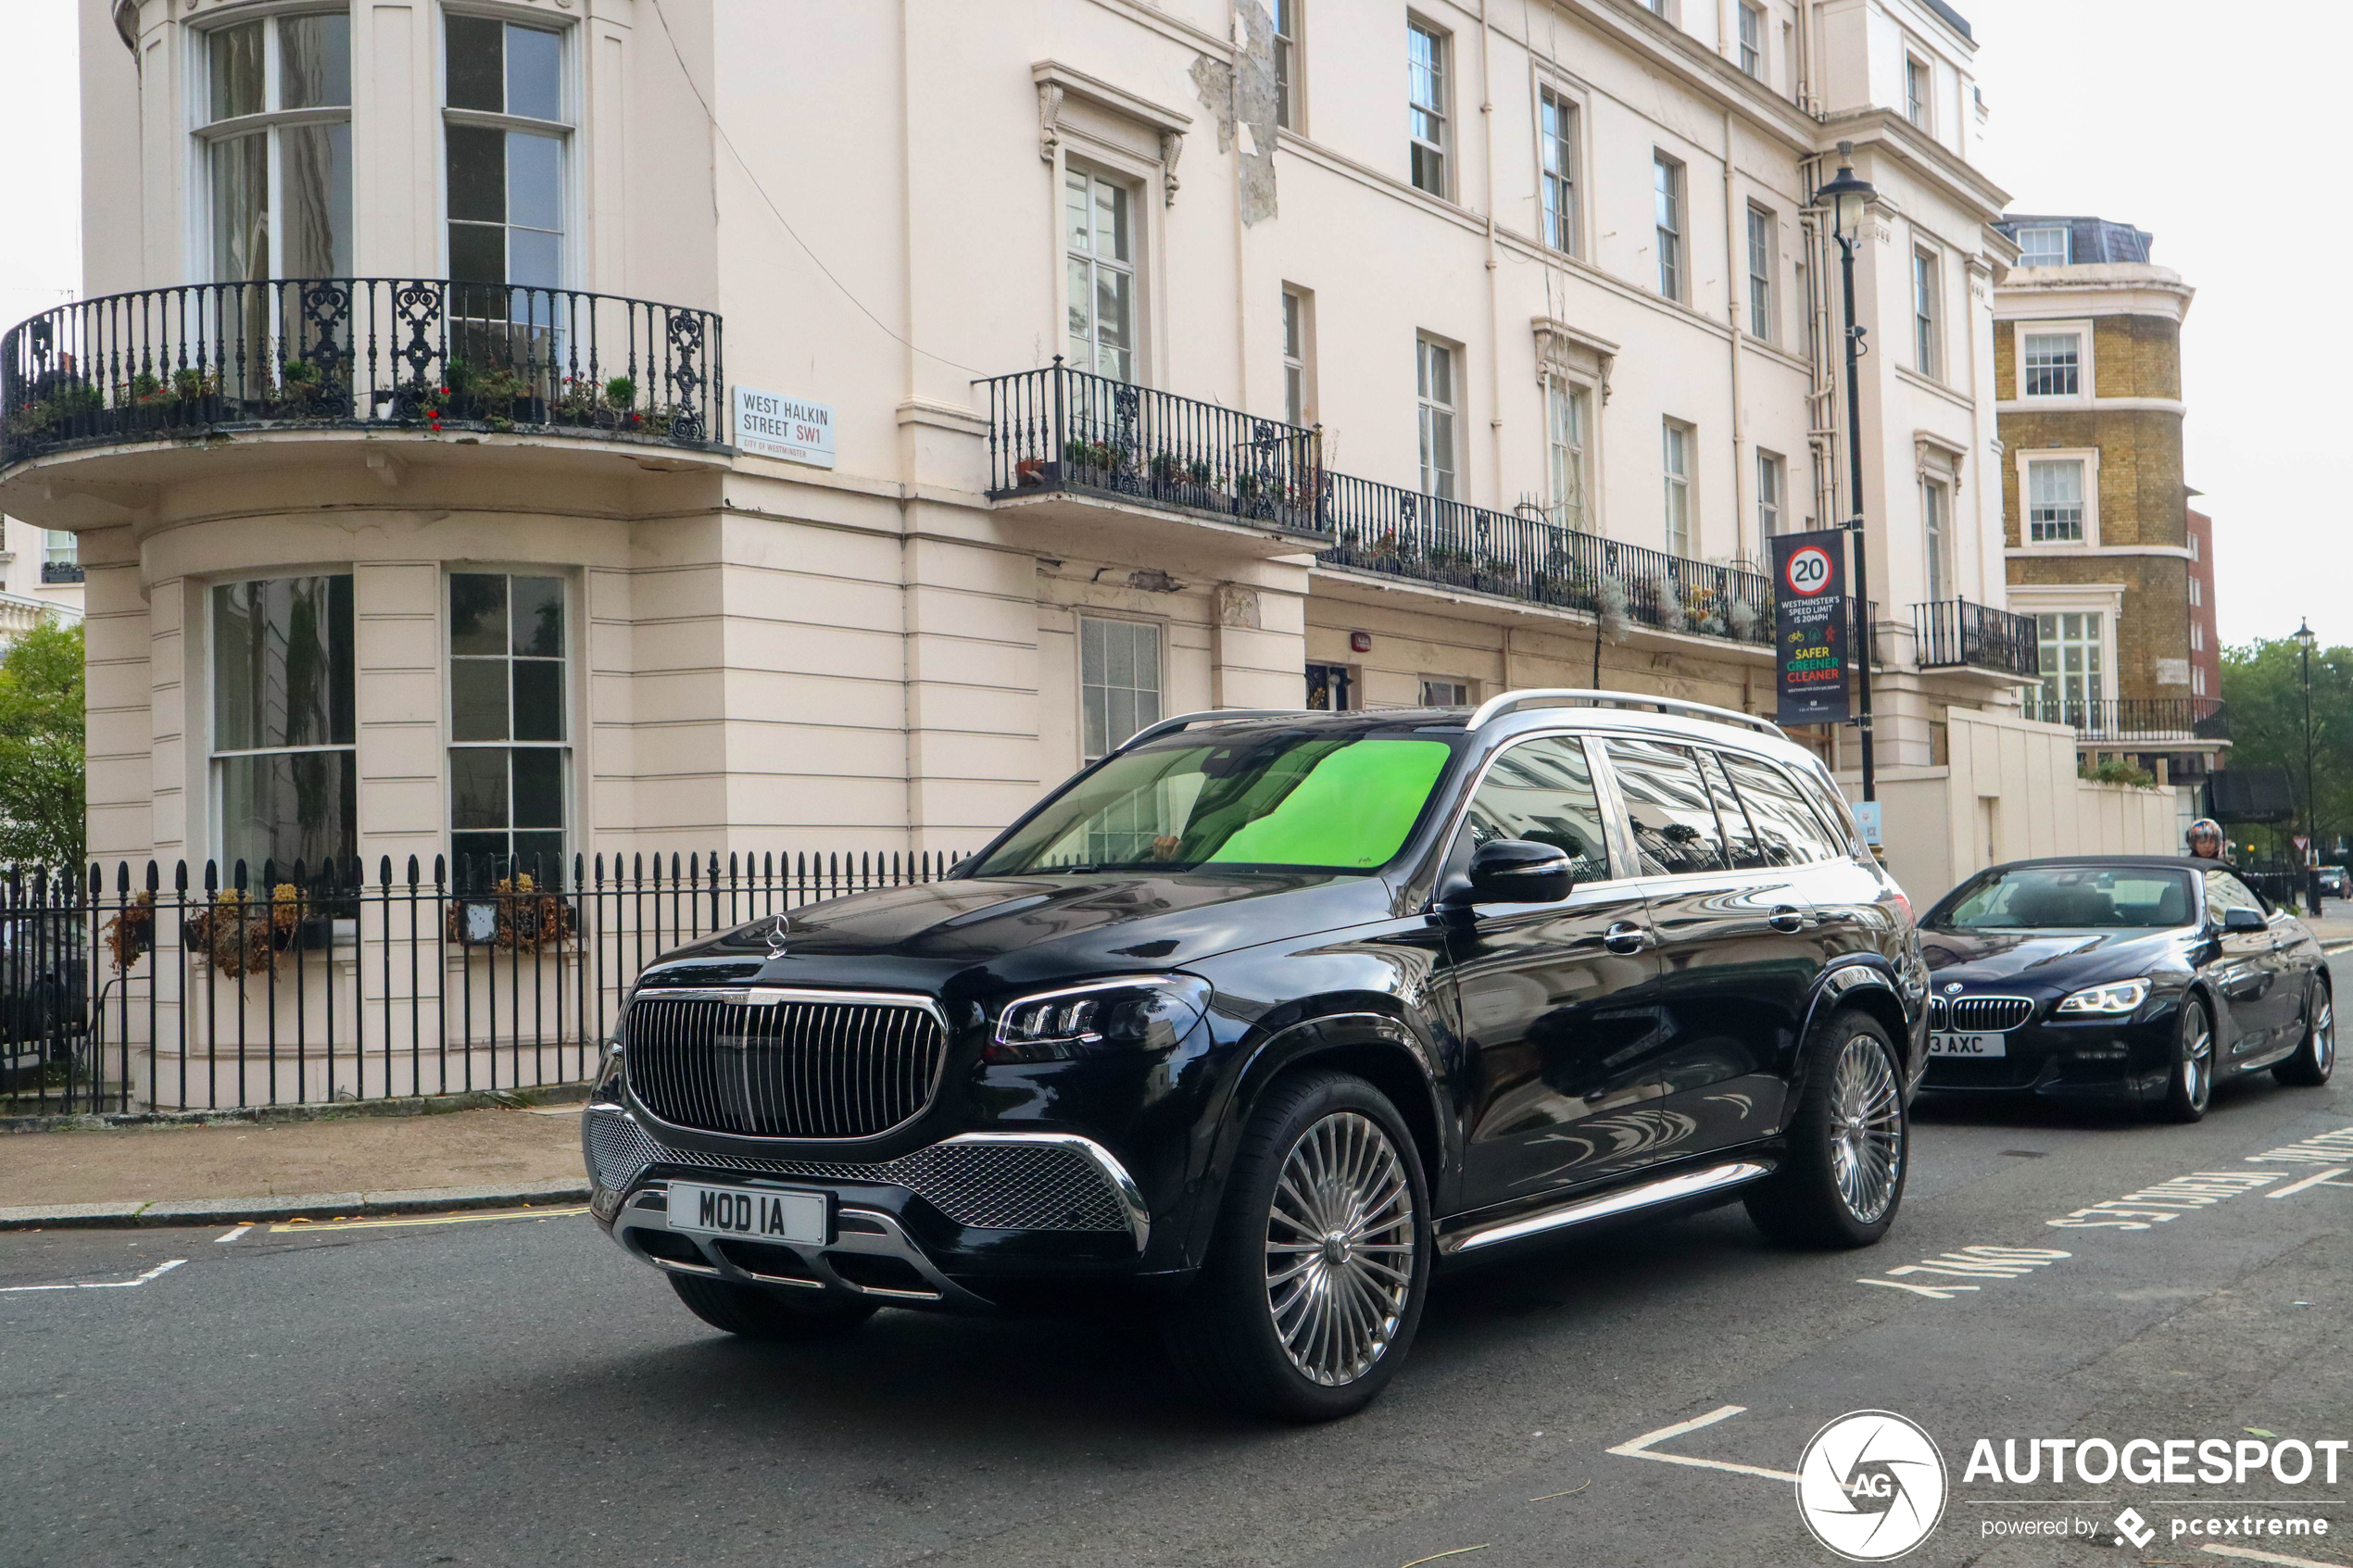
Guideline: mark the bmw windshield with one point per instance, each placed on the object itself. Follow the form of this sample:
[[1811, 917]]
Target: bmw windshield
[[2067, 898]]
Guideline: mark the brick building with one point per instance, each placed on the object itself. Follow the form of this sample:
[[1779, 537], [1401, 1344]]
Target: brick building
[[2087, 341]]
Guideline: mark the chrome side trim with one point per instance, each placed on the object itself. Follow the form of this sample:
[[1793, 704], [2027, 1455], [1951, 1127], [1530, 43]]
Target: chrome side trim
[[1666, 1190], [1139, 1220]]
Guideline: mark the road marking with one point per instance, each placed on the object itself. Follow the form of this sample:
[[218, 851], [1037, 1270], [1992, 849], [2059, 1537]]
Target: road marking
[[2321, 1148], [1484, 1545], [1640, 1446], [157, 1271], [1970, 1262], [2318, 1178], [1571, 1493], [2252, 1556], [428, 1219], [232, 1234]]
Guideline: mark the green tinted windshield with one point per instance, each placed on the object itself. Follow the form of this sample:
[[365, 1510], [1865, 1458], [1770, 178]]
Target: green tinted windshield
[[1291, 798]]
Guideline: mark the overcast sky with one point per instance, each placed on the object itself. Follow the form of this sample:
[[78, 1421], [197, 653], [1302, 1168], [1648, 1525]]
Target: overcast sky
[[2145, 112]]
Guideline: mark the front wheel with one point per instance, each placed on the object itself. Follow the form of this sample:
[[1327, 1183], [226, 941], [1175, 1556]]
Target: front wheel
[[2190, 1087], [1849, 1144], [1315, 1279], [754, 1313], [2316, 1057]]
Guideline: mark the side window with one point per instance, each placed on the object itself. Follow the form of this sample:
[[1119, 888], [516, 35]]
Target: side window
[[1742, 846], [1543, 790], [1675, 828], [1834, 811], [1788, 833], [2224, 891]]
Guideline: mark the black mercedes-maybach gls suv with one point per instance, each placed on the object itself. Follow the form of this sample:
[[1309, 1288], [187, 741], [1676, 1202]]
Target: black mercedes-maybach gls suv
[[1264, 1016]]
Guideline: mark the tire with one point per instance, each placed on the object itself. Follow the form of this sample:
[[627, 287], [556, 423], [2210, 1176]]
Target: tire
[[2189, 1087], [2316, 1057], [754, 1313], [1849, 1144], [1286, 1324]]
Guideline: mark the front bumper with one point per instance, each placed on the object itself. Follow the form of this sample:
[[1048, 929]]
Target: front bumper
[[951, 1225], [2087, 1058]]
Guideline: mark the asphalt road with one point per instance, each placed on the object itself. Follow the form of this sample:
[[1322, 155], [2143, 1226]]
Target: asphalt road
[[512, 1391]]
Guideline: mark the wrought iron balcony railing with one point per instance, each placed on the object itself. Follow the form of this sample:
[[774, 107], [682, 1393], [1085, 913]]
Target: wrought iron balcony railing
[[2135, 721], [1058, 429], [1955, 634], [425, 354]]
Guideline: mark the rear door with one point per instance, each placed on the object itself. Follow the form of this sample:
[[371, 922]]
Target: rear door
[[1737, 957], [1555, 1000]]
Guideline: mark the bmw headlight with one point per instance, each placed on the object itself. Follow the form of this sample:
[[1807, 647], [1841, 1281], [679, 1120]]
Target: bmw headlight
[[2121, 996], [1149, 1012]]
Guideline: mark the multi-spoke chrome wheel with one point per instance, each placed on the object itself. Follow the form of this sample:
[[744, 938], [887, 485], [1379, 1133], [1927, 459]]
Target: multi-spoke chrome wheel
[[1867, 1130], [2198, 1060], [2324, 1034], [1341, 1240], [2315, 1055]]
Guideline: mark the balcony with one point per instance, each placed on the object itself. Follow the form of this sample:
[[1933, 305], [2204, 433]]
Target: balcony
[[1059, 431], [2137, 721], [1957, 635], [209, 360]]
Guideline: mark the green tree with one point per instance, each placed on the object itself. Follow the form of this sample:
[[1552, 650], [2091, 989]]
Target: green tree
[[43, 767], [2263, 686]]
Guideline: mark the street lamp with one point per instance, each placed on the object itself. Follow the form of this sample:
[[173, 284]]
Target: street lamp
[[2305, 639], [1849, 201]]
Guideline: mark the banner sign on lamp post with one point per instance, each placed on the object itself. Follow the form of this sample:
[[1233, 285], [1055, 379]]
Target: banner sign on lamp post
[[1810, 627]]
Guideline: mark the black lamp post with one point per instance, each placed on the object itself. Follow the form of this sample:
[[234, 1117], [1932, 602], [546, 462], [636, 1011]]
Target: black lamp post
[[2305, 639], [1849, 201]]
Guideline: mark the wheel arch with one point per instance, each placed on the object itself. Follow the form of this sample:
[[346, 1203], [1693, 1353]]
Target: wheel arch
[[1866, 989], [1374, 1046]]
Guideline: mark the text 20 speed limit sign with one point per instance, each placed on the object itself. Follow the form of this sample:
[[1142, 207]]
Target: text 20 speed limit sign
[[1810, 627]]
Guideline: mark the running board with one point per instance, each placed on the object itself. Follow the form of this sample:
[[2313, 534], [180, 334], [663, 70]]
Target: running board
[[1668, 1189]]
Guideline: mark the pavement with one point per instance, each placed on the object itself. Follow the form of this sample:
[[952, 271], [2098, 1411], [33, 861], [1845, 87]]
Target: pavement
[[270, 1169], [495, 1389]]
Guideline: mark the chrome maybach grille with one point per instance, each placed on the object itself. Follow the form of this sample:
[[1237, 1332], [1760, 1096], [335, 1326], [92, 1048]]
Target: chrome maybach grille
[[783, 1064], [1021, 1186], [1986, 1015]]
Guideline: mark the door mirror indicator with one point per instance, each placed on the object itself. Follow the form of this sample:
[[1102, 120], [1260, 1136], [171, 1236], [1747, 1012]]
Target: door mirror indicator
[[2244, 919], [1518, 871]]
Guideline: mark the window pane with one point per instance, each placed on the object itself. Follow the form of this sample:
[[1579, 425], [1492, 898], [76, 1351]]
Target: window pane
[[533, 262], [535, 182], [1114, 315], [1675, 828], [477, 613], [539, 787], [241, 208], [1542, 791], [534, 73], [477, 253], [314, 60], [477, 174], [1111, 220], [1788, 833], [476, 63], [236, 55], [281, 663], [1077, 234], [539, 616], [478, 700], [301, 806], [317, 176], [478, 787], [539, 700], [540, 856], [1740, 843]]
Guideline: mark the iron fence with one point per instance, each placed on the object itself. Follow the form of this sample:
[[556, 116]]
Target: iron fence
[[1950, 633], [2135, 721], [123, 991], [423, 353]]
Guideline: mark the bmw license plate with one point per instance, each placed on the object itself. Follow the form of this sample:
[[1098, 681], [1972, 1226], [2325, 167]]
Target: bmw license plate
[[1944, 1043], [759, 1213]]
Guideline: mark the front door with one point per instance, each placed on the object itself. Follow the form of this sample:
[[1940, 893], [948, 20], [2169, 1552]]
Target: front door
[[1561, 1074], [1737, 957], [2254, 987]]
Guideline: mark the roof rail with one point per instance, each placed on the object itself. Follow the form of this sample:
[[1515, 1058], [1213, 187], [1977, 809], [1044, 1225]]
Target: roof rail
[[1207, 716], [1569, 696]]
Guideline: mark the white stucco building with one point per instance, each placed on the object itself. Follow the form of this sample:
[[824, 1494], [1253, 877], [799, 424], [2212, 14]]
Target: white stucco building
[[1449, 327]]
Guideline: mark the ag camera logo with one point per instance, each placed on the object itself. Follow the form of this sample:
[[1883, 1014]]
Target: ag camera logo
[[1871, 1485]]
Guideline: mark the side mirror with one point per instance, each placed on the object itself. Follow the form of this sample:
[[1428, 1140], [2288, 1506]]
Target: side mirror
[[1518, 871], [2244, 919]]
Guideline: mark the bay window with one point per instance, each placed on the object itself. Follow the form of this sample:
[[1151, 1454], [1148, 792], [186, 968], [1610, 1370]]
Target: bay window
[[509, 760], [276, 142], [285, 780], [505, 136]]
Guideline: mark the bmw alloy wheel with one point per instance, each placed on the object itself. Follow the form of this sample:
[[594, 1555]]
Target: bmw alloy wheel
[[2324, 1034], [2198, 1060], [1341, 1240], [1866, 1137]]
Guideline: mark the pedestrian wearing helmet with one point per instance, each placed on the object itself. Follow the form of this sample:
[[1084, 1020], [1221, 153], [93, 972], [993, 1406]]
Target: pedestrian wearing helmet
[[2207, 842]]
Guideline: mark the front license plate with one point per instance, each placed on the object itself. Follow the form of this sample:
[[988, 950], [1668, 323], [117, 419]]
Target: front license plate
[[1946, 1044], [760, 1213]]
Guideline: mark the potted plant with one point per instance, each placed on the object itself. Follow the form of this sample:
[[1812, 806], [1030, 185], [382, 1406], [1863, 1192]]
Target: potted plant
[[514, 915], [239, 935], [131, 931]]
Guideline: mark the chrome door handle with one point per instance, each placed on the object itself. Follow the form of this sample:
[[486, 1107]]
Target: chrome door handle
[[1786, 919], [1625, 937]]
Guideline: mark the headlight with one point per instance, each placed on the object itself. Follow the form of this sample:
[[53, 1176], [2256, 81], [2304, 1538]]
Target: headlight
[[2121, 997], [1133, 1013]]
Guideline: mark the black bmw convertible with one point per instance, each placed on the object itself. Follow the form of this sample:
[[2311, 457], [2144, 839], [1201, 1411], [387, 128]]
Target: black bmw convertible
[[2143, 979]]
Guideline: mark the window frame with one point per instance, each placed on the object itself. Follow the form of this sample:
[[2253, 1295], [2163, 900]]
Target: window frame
[[1559, 173], [2029, 458], [2102, 643], [1919, 90], [207, 663], [1928, 312], [1298, 340], [1439, 153], [1429, 409], [1290, 49], [2067, 243], [1159, 632], [207, 133], [2086, 371], [1772, 474], [1763, 237], [1752, 55], [565, 132], [1936, 537], [1676, 507], [1468, 689], [567, 704], [1133, 190], [1578, 398], [1668, 200]]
